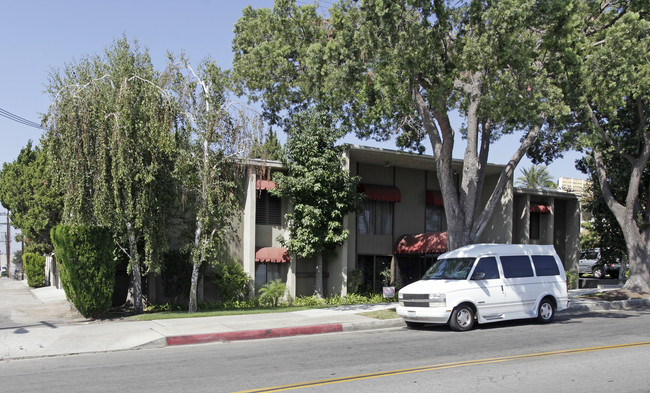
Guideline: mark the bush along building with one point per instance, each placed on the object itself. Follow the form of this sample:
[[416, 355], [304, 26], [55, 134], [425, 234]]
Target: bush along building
[[400, 229]]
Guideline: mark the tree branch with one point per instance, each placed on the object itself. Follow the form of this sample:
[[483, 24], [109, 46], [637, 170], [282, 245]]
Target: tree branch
[[505, 176], [605, 135]]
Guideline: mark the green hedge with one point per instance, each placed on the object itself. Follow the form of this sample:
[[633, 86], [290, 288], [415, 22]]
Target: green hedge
[[34, 269], [84, 255]]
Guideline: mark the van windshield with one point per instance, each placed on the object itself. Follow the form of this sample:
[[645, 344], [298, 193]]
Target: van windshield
[[450, 269]]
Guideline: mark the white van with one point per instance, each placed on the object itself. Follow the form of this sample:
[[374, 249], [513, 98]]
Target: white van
[[487, 283]]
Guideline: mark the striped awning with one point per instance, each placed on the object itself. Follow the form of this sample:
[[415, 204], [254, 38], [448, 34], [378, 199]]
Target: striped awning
[[265, 184], [376, 192], [434, 198], [540, 208], [423, 243], [271, 255]]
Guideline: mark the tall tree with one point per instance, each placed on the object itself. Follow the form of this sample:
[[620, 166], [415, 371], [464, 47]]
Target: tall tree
[[26, 190], [402, 68], [537, 176], [608, 64], [111, 136], [218, 132], [321, 190], [269, 149]]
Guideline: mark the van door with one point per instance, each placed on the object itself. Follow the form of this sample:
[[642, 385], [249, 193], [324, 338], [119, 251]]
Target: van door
[[521, 286], [491, 298]]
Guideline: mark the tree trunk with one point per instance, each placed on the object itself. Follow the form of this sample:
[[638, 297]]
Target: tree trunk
[[639, 259], [463, 226], [318, 287], [194, 288], [197, 259], [637, 240], [136, 275]]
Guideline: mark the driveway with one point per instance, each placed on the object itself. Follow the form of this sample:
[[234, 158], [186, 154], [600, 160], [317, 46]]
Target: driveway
[[21, 306]]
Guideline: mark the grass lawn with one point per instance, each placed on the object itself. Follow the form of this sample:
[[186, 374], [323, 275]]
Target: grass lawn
[[217, 313]]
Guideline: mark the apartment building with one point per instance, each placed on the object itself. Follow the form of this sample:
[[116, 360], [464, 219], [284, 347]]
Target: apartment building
[[401, 226]]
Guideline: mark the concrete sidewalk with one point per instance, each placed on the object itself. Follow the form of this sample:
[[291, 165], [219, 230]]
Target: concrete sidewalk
[[36, 335]]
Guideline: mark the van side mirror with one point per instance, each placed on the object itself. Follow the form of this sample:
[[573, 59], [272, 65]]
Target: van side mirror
[[478, 276]]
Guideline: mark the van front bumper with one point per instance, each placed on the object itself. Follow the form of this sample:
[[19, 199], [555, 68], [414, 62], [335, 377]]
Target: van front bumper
[[424, 314]]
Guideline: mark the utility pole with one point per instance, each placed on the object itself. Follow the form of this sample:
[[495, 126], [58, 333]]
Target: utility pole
[[8, 241]]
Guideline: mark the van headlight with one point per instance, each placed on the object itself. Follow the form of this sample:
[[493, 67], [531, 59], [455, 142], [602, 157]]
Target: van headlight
[[437, 300]]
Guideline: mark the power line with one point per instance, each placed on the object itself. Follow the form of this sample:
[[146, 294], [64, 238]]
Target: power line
[[18, 119]]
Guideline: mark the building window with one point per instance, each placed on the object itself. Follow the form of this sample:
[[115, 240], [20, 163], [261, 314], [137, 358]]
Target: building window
[[375, 218], [371, 267], [268, 209], [434, 217], [535, 222], [265, 273]]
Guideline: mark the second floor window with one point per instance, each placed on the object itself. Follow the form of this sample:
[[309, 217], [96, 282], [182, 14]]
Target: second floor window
[[375, 218], [435, 220], [268, 210]]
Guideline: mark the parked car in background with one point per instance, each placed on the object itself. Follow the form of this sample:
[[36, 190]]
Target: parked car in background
[[591, 262]]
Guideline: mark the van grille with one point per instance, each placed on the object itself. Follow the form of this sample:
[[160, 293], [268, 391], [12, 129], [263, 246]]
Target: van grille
[[415, 296], [416, 304]]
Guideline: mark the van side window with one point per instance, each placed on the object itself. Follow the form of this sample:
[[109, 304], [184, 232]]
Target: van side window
[[516, 266], [487, 265], [545, 265]]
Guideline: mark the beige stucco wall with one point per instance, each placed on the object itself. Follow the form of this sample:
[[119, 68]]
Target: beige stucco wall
[[409, 213], [499, 226]]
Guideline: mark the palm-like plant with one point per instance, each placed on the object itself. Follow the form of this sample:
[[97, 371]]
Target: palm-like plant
[[537, 176]]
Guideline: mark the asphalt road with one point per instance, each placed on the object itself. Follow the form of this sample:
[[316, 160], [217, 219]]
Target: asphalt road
[[602, 352]]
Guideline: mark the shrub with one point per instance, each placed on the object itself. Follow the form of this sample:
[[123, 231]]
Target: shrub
[[231, 280], [271, 292], [34, 269], [87, 266], [572, 279], [355, 278]]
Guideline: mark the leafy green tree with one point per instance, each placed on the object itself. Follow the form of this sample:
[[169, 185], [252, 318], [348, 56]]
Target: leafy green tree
[[403, 68], [610, 88], [270, 149], [35, 204], [112, 142], [537, 177], [321, 190], [217, 133]]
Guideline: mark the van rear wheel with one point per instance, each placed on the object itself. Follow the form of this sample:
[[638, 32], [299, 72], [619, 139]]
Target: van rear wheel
[[462, 318], [545, 311]]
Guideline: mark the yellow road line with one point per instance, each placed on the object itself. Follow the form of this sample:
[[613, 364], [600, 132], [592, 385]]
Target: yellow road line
[[443, 366]]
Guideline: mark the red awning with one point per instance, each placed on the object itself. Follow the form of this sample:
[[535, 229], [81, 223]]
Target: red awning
[[423, 243], [264, 184], [434, 198], [376, 192], [540, 208], [271, 255]]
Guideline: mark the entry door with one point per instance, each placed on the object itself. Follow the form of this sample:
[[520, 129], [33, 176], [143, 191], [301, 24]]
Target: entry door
[[490, 294]]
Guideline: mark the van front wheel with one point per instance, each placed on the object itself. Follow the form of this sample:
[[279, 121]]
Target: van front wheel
[[462, 318], [545, 311]]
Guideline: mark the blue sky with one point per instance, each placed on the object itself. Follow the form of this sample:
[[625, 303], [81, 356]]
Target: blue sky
[[38, 36]]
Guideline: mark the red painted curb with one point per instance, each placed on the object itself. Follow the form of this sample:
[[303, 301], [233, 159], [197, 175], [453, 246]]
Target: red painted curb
[[254, 334]]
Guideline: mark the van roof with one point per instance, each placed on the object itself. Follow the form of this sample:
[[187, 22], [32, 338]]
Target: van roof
[[477, 250]]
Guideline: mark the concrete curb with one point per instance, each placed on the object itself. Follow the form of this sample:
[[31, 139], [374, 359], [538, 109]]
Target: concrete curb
[[280, 332], [613, 305], [254, 334]]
